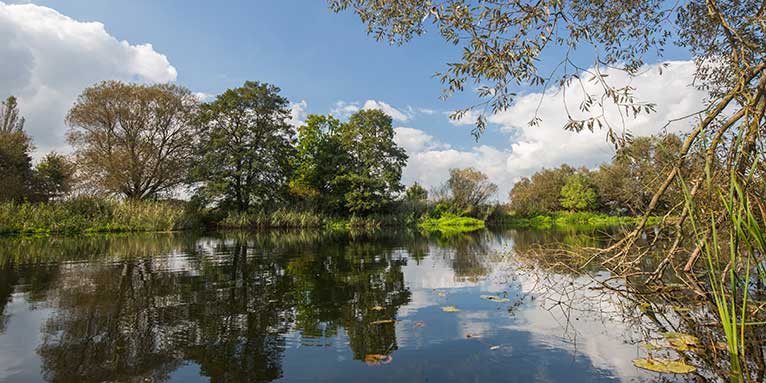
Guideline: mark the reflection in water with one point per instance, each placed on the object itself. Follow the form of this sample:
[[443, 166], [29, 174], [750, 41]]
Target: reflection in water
[[302, 306]]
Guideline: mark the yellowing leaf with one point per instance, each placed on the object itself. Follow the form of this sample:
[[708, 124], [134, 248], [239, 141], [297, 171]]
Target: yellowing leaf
[[450, 309], [420, 324], [383, 321], [495, 298], [652, 346], [441, 294], [378, 308], [373, 359], [674, 366], [681, 342]]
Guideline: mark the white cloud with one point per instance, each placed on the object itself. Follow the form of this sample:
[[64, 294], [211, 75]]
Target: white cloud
[[396, 114], [49, 58], [298, 113], [548, 144], [204, 97], [344, 110]]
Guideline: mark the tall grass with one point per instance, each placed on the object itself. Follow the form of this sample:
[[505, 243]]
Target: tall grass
[[297, 219], [82, 215], [733, 248]]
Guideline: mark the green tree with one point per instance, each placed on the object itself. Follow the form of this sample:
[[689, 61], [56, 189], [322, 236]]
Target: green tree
[[10, 119], [416, 193], [133, 140], [15, 160], [319, 158], [375, 162], [541, 192], [55, 176], [578, 194], [248, 144]]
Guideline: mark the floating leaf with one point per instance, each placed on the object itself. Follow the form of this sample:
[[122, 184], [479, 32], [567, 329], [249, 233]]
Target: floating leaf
[[494, 298], [373, 359], [420, 324], [378, 308], [441, 294], [651, 346], [494, 348], [674, 366], [383, 321], [472, 336], [681, 342], [450, 309]]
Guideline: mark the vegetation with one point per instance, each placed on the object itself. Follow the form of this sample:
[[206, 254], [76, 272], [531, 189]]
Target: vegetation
[[133, 140], [451, 224], [87, 215]]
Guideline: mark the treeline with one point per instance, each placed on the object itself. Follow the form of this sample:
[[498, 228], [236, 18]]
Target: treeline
[[623, 187], [237, 158]]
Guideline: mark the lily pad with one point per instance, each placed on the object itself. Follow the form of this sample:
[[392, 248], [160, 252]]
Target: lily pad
[[673, 366], [383, 321], [494, 298], [450, 309], [681, 342], [420, 324], [373, 359]]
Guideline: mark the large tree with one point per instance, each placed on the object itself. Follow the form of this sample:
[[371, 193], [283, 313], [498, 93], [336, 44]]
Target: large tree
[[133, 140], [15, 148], [248, 144], [320, 158], [469, 188], [374, 171]]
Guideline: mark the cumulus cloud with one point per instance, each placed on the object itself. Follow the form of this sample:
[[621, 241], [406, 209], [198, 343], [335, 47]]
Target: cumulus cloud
[[298, 113], [344, 110], [547, 145], [49, 58]]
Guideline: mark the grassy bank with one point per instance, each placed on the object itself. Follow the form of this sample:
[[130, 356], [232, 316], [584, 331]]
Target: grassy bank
[[567, 219], [87, 215], [290, 219], [450, 224]]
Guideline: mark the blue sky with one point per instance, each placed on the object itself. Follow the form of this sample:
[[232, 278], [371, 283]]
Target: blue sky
[[319, 59]]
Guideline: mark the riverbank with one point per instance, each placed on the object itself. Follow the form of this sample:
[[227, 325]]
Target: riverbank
[[569, 219]]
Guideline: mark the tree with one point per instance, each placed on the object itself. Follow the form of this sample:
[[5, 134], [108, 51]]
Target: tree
[[133, 140], [15, 160], [578, 194], [542, 192], [469, 188], [375, 162], [319, 158], [416, 193], [245, 160], [55, 176], [10, 119]]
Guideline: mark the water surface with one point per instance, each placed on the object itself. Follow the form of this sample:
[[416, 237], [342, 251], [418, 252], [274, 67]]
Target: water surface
[[301, 306]]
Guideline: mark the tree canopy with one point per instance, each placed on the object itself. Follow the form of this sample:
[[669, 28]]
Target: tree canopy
[[133, 140]]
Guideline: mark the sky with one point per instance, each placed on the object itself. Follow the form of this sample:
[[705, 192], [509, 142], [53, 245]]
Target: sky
[[323, 62]]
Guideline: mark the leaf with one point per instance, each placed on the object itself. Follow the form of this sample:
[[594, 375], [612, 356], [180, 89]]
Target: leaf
[[378, 308], [374, 359], [674, 366], [681, 342], [383, 321], [441, 294], [450, 309], [495, 298], [494, 348], [650, 346], [420, 324]]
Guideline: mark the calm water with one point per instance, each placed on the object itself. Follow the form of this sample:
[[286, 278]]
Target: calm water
[[300, 306]]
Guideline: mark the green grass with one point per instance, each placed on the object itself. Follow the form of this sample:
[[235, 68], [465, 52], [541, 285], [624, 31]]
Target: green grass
[[87, 215], [567, 219], [449, 224], [291, 219]]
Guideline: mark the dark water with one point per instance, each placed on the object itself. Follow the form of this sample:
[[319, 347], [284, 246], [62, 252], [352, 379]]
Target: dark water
[[299, 307]]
